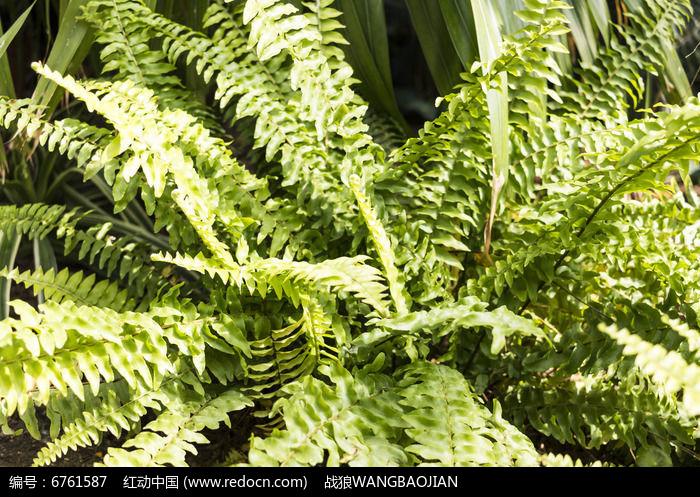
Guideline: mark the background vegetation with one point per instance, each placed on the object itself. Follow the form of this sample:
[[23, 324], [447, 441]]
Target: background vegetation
[[454, 232]]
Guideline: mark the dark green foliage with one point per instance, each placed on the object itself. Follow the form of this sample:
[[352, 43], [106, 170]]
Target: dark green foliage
[[368, 300]]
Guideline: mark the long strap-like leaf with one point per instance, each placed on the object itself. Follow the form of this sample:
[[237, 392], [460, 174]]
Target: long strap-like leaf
[[489, 39], [72, 44]]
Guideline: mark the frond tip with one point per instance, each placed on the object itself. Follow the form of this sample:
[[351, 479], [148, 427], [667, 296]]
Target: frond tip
[[665, 367]]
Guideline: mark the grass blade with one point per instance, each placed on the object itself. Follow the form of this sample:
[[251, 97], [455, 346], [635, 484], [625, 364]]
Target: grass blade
[[583, 32], [7, 38], [675, 72], [489, 41], [73, 41], [436, 43], [44, 258], [601, 16], [460, 25], [7, 86], [368, 53], [9, 245]]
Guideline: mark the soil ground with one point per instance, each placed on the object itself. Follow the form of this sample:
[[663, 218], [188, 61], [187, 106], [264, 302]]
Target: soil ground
[[20, 450]]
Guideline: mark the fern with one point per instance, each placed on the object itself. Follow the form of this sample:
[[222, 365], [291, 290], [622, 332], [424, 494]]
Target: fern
[[38, 347], [64, 286], [591, 412], [354, 422], [127, 53], [327, 425], [439, 179], [346, 274], [381, 244], [603, 94], [180, 426], [125, 257], [311, 269], [465, 433], [666, 368], [114, 415]]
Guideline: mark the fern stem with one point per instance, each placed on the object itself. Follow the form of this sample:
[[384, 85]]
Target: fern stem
[[581, 301]]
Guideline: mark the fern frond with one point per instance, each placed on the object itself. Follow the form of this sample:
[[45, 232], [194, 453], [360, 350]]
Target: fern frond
[[38, 220], [361, 418], [281, 357], [61, 410], [448, 424], [274, 105], [59, 345], [603, 90], [77, 140], [690, 336], [124, 257], [284, 355], [348, 423], [443, 175], [115, 415], [385, 132], [158, 156], [591, 411], [273, 101], [345, 274], [382, 245], [127, 52], [75, 287], [172, 435], [468, 313], [666, 368], [641, 160], [277, 26]]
